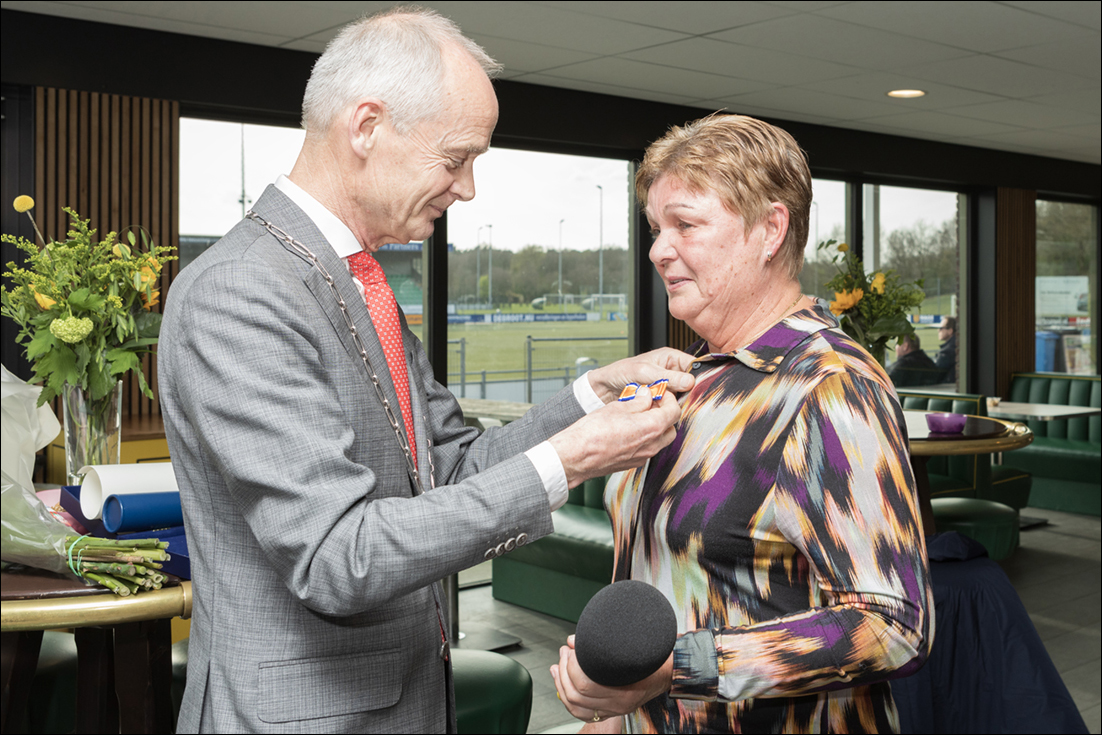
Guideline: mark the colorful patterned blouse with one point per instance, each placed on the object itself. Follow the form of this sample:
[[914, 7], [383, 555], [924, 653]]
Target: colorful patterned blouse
[[782, 524]]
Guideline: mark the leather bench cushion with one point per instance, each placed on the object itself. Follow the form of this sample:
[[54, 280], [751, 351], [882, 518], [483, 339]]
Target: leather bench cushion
[[1063, 390], [944, 486], [1062, 459], [581, 545]]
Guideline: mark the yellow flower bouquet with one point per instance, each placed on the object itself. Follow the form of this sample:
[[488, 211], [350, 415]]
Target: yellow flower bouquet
[[84, 307], [872, 308], [84, 311]]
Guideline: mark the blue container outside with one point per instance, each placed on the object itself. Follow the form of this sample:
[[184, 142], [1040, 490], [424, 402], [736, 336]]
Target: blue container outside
[[1047, 343]]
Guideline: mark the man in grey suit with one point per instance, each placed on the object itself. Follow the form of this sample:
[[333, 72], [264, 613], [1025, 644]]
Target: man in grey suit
[[319, 521]]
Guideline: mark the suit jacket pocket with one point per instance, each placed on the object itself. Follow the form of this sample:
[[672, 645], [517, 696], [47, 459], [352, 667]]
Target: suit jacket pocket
[[309, 688]]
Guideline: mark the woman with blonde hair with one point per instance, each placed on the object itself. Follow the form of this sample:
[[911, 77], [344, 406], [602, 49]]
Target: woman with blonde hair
[[782, 523]]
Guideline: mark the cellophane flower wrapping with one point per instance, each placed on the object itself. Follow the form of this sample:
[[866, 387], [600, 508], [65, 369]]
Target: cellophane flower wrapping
[[28, 533]]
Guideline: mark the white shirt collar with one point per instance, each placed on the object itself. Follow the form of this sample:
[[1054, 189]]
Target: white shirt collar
[[340, 238]]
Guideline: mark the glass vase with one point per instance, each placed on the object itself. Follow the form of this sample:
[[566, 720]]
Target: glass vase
[[93, 429]]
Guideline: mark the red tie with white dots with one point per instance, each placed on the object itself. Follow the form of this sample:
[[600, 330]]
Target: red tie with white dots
[[384, 315]]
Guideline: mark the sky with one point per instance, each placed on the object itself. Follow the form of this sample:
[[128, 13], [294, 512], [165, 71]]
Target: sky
[[523, 195]]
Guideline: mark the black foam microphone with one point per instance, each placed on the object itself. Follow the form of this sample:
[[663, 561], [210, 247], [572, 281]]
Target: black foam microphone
[[625, 633]]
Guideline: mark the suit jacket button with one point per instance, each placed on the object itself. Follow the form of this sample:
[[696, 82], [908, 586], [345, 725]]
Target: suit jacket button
[[510, 544], [522, 539], [499, 550], [490, 554], [444, 648]]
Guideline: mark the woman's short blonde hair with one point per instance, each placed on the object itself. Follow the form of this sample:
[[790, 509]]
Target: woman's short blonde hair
[[748, 163]]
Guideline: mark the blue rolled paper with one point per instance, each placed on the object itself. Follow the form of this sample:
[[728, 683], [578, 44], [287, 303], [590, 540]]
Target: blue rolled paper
[[142, 511]]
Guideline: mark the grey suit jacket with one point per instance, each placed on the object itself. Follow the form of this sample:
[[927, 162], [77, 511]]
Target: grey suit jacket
[[315, 563]]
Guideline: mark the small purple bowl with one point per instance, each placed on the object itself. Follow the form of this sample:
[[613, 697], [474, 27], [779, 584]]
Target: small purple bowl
[[946, 423]]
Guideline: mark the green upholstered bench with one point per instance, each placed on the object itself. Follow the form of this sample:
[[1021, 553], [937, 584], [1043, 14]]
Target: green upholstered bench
[[1065, 457], [559, 573]]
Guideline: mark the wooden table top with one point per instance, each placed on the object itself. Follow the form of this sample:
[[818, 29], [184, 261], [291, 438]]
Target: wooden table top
[[981, 435], [33, 599]]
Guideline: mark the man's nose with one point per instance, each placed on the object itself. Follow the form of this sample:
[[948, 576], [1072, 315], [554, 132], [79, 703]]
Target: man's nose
[[463, 185]]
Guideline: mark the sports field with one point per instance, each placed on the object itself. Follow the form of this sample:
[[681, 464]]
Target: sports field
[[501, 349]]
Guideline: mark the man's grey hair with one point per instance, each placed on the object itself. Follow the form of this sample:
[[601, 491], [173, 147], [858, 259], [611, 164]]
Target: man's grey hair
[[396, 56]]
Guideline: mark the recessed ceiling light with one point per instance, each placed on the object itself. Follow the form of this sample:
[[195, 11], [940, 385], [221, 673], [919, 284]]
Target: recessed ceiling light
[[906, 94]]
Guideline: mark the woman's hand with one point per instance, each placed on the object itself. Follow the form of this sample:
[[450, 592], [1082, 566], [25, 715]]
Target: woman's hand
[[589, 701]]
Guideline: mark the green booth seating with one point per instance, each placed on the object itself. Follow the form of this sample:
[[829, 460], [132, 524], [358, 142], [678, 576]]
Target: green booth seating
[[1065, 457], [559, 573]]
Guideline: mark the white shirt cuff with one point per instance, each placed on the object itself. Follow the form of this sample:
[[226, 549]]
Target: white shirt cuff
[[551, 472], [586, 396]]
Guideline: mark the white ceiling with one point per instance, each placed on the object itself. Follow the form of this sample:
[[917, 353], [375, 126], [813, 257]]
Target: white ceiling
[[1014, 76]]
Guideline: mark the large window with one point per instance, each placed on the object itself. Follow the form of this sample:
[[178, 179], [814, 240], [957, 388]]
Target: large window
[[1067, 287], [224, 168], [917, 233], [828, 222], [539, 274]]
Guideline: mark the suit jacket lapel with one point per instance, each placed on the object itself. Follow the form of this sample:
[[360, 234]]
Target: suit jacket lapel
[[275, 207]]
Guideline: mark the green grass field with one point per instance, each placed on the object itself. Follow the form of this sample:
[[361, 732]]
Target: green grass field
[[502, 347]]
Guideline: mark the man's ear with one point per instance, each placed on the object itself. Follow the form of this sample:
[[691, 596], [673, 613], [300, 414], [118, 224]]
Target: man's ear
[[364, 125]]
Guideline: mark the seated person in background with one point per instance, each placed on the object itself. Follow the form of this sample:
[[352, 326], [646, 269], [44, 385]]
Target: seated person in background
[[946, 360], [912, 366]]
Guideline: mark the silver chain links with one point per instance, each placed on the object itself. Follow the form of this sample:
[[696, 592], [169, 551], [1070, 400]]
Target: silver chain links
[[305, 252]]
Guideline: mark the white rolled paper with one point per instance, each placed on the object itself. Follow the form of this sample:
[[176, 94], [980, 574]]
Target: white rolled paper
[[103, 480]]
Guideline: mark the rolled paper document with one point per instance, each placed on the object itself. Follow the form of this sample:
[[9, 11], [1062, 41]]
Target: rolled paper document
[[142, 512], [101, 480]]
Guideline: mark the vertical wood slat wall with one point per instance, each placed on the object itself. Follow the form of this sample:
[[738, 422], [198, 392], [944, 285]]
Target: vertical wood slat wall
[[112, 159], [681, 334], [1015, 274]]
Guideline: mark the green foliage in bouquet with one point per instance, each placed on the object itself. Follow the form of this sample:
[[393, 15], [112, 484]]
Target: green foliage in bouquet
[[872, 309], [84, 308]]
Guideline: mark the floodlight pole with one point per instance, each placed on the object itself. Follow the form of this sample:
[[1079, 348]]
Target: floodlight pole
[[562, 306], [601, 251], [478, 267], [490, 265]]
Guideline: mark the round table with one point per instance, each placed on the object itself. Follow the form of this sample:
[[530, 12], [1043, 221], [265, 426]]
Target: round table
[[124, 648], [981, 435]]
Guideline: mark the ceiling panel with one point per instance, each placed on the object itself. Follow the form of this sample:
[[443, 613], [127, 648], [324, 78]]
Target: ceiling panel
[[939, 123], [824, 38], [628, 73], [1026, 114], [745, 62], [874, 86], [1001, 77], [1086, 14], [998, 74], [1083, 56], [982, 27], [694, 18]]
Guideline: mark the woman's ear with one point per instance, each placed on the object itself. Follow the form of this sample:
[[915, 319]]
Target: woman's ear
[[776, 228]]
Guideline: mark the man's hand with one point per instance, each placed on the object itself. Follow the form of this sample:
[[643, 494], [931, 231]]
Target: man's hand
[[586, 699], [619, 436], [673, 365]]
